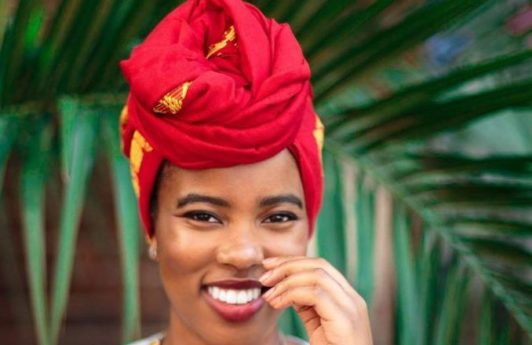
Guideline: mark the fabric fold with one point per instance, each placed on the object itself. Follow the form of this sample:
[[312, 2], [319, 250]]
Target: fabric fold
[[217, 84]]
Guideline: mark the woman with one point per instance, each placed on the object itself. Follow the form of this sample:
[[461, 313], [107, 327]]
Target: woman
[[224, 146]]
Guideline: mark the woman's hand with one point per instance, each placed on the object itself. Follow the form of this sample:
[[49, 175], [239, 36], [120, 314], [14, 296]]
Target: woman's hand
[[332, 311]]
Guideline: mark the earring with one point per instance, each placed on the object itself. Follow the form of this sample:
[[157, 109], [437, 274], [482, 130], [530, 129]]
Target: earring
[[152, 252]]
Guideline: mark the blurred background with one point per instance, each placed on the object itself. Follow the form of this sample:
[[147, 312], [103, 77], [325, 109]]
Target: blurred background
[[428, 160]]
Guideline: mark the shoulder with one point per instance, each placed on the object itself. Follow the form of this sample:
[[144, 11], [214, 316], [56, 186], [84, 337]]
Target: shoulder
[[149, 340], [295, 341]]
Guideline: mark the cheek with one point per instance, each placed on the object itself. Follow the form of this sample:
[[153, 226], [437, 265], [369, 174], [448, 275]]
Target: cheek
[[293, 243], [183, 252]]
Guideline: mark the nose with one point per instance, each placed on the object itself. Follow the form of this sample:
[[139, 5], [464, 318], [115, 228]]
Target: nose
[[241, 249]]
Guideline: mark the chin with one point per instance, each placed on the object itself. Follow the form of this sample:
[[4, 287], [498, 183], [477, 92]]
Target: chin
[[242, 334], [214, 329]]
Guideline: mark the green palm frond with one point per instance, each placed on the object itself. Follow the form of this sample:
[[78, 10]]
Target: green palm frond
[[396, 121]]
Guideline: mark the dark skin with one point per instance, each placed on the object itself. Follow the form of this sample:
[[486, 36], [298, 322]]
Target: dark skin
[[247, 221]]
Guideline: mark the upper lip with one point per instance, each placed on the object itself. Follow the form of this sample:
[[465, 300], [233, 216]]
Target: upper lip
[[236, 283]]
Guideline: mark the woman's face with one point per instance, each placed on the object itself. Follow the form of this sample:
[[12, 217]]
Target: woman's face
[[213, 229]]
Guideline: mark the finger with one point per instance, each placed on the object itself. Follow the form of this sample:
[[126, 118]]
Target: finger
[[309, 316], [308, 296], [277, 260], [316, 277], [281, 267], [314, 305]]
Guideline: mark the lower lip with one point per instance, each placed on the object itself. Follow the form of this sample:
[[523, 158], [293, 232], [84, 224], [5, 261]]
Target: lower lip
[[234, 312]]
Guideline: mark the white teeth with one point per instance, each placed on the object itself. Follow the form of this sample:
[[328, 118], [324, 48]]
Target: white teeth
[[242, 297], [232, 296]]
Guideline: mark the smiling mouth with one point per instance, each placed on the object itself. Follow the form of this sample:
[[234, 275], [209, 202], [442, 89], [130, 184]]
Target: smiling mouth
[[235, 300], [235, 296]]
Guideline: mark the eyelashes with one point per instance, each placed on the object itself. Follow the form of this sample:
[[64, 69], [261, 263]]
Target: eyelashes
[[209, 218], [202, 216], [281, 217]]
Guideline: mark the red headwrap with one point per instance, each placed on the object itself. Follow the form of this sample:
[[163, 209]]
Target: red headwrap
[[217, 84]]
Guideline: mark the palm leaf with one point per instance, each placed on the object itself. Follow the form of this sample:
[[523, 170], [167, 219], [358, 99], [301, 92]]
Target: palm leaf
[[331, 77], [8, 127], [408, 99], [332, 216], [408, 313], [428, 183], [452, 309], [365, 238], [129, 228], [32, 198], [428, 268], [79, 128]]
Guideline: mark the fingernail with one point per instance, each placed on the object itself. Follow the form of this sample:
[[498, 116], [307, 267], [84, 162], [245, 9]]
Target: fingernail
[[265, 277]]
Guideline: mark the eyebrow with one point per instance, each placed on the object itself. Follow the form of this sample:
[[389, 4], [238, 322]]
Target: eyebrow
[[268, 201], [196, 198], [278, 199]]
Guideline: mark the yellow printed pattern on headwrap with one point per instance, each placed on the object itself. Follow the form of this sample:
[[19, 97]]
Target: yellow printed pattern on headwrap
[[123, 116], [139, 146], [229, 36], [319, 135], [172, 102], [123, 120]]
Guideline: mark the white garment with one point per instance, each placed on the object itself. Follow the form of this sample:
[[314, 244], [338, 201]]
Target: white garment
[[155, 337], [148, 340]]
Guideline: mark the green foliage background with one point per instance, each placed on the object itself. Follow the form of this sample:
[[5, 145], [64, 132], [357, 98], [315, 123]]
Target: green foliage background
[[428, 163]]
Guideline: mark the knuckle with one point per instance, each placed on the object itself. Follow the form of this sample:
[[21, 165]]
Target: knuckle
[[320, 273], [358, 309], [285, 268], [316, 292], [280, 287], [321, 262], [280, 271], [360, 302], [362, 305]]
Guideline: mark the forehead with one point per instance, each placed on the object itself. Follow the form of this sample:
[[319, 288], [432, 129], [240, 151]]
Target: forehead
[[275, 175]]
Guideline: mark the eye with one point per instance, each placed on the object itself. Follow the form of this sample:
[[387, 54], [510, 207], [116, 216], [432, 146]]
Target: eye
[[281, 217], [201, 216]]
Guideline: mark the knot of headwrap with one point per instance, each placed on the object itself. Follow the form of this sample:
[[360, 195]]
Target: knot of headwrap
[[217, 84]]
